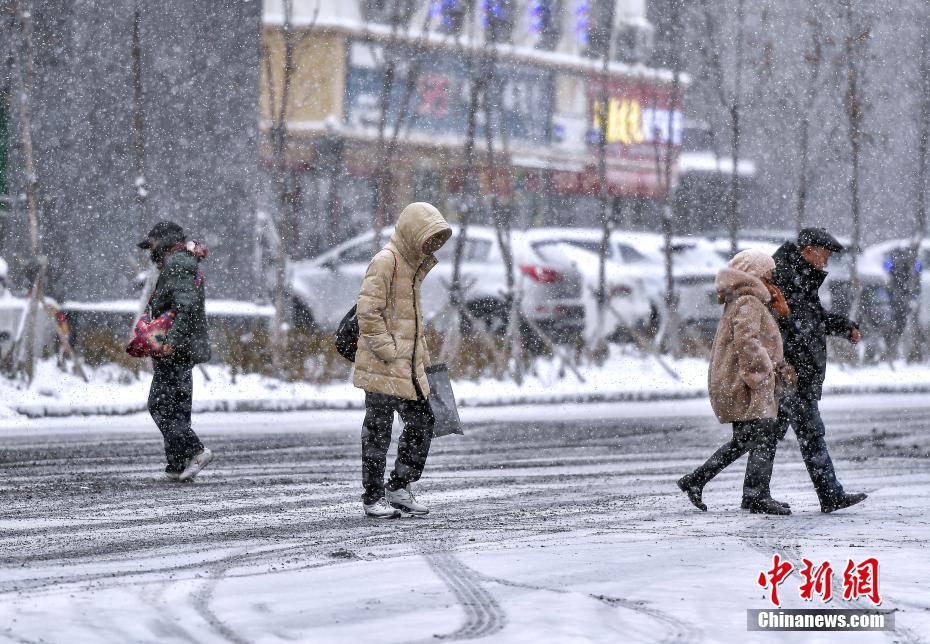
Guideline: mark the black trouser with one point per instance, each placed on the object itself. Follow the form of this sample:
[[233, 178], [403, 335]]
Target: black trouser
[[170, 400], [412, 449], [804, 415], [757, 437]]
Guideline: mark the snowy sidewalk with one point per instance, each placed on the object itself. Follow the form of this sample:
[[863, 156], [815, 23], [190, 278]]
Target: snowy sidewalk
[[625, 376]]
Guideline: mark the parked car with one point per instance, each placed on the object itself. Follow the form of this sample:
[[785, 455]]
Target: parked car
[[325, 287], [641, 257], [695, 265], [630, 310], [12, 309]]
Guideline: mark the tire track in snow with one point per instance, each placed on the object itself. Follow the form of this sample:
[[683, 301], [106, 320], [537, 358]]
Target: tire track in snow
[[202, 598], [483, 615], [678, 630]]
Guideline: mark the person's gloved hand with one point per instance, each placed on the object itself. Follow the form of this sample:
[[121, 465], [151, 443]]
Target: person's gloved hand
[[788, 375]]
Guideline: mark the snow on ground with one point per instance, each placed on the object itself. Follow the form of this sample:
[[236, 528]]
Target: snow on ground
[[626, 375], [546, 527], [115, 390]]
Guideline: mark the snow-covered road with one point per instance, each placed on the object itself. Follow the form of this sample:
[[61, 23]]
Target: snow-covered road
[[548, 524]]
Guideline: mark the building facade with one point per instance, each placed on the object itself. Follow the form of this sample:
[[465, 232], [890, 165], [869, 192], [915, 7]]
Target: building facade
[[542, 64]]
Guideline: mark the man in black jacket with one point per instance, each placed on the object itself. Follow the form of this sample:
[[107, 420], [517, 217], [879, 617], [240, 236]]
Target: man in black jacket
[[179, 288], [799, 273]]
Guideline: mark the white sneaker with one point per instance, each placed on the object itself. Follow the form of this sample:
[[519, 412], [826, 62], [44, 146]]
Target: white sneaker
[[380, 510], [196, 464], [403, 500]]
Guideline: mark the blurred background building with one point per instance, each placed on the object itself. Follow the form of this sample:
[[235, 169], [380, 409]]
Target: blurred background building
[[545, 61]]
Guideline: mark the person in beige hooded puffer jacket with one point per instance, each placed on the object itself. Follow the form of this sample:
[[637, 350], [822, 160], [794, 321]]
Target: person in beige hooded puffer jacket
[[392, 357], [746, 364]]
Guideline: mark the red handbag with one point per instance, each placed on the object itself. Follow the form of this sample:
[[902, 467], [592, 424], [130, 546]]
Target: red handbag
[[149, 335]]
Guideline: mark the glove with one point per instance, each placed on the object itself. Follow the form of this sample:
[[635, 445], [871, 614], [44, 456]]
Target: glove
[[788, 375]]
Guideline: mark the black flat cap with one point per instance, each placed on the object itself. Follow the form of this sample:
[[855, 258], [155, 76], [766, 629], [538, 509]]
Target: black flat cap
[[819, 237], [163, 231]]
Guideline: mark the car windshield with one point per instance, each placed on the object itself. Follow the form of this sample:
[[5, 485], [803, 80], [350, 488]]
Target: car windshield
[[697, 258], [629, 254], [583, 244], [557, 250]]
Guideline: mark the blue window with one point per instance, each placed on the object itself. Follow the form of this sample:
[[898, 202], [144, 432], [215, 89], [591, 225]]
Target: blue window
[[545, 20], [450, 15]]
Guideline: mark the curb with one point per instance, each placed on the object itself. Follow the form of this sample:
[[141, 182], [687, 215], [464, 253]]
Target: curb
[[35, 411]]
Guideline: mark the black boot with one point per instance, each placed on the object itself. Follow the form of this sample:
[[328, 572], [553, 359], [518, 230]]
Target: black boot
[[747, 502], [768, 506], [686, 485], [843, 501]]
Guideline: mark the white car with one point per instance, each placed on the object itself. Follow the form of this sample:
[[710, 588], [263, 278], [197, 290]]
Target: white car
[[12, 309], [695, 264], [630, 307], [642, 257], [325, 287]]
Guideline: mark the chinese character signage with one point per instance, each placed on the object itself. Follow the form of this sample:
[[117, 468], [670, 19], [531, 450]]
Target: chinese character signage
[[639, 116]]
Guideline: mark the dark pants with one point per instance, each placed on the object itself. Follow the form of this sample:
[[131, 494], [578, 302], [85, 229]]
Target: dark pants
[[170, 400], [412, 449], [759, 439], [804, 415]]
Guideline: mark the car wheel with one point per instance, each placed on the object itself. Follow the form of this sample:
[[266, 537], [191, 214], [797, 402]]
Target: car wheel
[[491, 314]]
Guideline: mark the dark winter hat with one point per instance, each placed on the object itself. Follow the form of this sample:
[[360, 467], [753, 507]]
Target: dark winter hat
[[819, 237], [164, 232]]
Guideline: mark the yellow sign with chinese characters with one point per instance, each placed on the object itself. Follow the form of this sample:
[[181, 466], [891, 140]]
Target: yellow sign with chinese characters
[[624, 120]]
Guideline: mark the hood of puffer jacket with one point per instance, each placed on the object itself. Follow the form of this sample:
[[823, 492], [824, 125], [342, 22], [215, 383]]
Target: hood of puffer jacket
[[732, 284], [417, 222]]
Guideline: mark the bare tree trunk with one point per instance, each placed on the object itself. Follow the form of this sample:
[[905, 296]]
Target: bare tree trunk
[[603, 192], [731, 102], [814, 60], [664, 164], [27, 74], [733, 199], [138, 123], [916, 349], [477, 87], [138, 147], [387, 146], [804, 146], [469, 191], [385, 178], [8, 27], [282, 182], [502, 226], [736, 131], [664, 160], [856, 39]]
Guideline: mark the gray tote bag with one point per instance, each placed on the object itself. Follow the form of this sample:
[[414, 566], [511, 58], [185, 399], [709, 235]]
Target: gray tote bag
[[442, 402]]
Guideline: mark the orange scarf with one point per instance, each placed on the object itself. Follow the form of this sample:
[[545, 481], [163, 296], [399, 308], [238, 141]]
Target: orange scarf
[[778, 304]]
